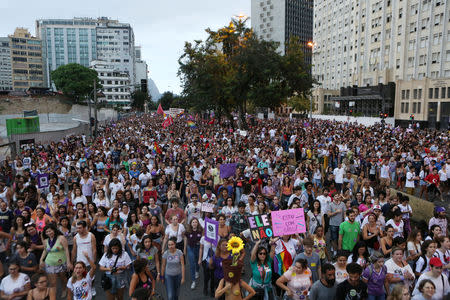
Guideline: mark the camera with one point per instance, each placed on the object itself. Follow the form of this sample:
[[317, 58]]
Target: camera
[[113, 270]]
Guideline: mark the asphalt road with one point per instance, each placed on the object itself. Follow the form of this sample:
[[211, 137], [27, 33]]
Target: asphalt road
[[186, 292]]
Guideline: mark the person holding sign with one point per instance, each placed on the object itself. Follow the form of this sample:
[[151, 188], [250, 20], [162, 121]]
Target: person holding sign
[[261, 264]]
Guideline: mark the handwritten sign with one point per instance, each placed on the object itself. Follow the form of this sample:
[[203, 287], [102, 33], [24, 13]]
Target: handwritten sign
[[291, 221], [208, 207], [211, 231], [43, 180], [260, 227]]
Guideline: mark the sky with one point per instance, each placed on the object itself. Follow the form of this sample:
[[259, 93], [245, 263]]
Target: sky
[[160, 27]]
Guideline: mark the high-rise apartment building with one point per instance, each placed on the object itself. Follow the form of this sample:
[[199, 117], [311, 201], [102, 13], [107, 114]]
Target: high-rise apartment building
[[67, 41], [279, 20], [379, 41], [26, 60], [5, 65], [141, 67], [103, 44]]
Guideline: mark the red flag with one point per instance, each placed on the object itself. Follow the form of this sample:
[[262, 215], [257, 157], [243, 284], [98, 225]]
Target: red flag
[[160, 110], [211, 122], [167, 122]]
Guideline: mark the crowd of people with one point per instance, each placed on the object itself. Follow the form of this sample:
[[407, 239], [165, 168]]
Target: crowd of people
[[127, 206]]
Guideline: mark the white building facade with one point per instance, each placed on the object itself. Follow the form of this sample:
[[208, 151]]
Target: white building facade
[[116, 84], [279, 20], [379, 41]]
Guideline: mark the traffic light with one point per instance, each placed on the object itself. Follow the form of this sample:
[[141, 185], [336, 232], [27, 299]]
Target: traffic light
[[411, 117], [144, 85], [351, 111]]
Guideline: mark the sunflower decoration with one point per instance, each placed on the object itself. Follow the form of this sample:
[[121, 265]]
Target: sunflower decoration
[[235, 245]]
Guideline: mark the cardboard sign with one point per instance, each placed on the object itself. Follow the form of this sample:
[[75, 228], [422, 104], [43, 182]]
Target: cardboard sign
[[150, 194], [211, 231], [286, 222], [208, 207], [43, 180], [260, 227]]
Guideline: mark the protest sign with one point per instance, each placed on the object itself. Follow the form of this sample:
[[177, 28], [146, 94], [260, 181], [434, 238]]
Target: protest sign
[[43, 180], [227, 170], [211, 231], [260, 227], [208, 207], [291, 221]]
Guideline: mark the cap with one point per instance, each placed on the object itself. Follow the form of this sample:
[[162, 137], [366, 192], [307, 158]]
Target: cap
[[435, 262], [439, 209], [376, 207]]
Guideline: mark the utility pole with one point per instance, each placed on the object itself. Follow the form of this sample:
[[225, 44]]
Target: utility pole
[[95, 107], [310, 110]]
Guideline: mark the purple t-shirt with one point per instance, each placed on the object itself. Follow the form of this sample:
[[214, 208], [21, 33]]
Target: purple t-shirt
[[375, 284], [218, 270]]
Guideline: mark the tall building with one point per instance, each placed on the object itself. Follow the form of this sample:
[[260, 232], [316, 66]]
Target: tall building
[[279, 20], [102, 44], [26, 60], [141, 67], [115, 45], [67, 41], [5, 65], [370, 42]]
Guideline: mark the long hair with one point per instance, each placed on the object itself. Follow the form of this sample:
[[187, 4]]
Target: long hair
[[189, 227], [114, 243], [53, 227], [218, 251], [355, 254]]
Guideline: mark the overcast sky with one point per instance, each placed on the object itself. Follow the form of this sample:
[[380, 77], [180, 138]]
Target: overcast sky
[[160, 26]]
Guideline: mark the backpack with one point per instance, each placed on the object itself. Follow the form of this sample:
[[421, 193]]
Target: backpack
[[384, 268]]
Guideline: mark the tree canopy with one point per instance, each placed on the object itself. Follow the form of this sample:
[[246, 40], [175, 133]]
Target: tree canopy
[[139, 99], [75, 80], [233, 69]]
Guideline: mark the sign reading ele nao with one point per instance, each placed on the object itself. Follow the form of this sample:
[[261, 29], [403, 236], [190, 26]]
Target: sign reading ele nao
[[260, 227]]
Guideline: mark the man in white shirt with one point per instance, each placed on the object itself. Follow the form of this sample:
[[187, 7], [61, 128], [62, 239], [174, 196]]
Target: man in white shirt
[[339, 177], [325, 200], [384, 173], [115, 186], [410, 183], [435, 275]]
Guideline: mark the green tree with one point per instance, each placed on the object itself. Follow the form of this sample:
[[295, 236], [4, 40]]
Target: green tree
[[299, 103], [233, 69], [75, 81], [139, 99], [166, 100]]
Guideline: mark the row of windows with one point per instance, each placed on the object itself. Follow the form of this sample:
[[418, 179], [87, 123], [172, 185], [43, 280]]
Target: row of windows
[[416, 108], [434, 93]]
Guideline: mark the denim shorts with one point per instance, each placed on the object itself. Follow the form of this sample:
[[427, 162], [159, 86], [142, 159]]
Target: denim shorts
[[118, 281], [334, 232]]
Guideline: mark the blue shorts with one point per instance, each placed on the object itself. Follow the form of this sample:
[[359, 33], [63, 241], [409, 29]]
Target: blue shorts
[[334, 233]]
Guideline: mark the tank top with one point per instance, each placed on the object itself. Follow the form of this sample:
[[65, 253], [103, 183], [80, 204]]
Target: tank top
[[84, 244], [101, 223], [47, 297], [144, 284], [371, 241], [55, 257]]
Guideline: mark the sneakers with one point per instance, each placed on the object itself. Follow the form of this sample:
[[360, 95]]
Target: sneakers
[[193, 285], [197, 275]]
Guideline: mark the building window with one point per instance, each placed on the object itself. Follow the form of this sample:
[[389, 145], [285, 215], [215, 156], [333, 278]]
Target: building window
[[430, 93], [436, 93], [419, 108], [414, 108], [443, 90], [407, 94], [402, 109], [415, 93], [420, 94]]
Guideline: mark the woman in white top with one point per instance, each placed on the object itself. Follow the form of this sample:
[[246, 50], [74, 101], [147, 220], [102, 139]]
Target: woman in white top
[[443, 253], [79, 286], [175, 229], [207, 251], [16, 285], [101, 199], [428, 249], [115, 262], [414, 246], [398, 270], [229, 209]]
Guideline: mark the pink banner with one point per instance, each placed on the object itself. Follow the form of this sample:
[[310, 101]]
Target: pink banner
[[286, 222]]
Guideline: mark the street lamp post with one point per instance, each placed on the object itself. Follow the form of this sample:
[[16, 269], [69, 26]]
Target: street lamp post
[[311, 45]]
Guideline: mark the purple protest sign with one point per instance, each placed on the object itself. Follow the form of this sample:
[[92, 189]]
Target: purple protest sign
[[290, 221], [43, 180], [227, 170], [211, 231]]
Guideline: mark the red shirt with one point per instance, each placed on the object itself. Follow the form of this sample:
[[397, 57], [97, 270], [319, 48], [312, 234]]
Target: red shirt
[[433, 178]]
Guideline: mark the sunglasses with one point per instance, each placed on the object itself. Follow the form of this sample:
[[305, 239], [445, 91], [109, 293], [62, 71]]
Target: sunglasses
[[262, 253]]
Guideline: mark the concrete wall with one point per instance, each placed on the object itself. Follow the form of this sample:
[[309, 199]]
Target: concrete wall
[[49, 136], [422, 210], [367, 121]]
